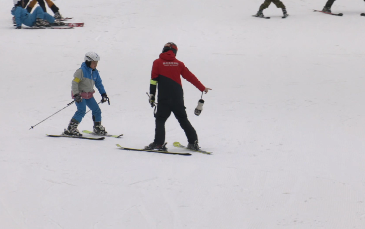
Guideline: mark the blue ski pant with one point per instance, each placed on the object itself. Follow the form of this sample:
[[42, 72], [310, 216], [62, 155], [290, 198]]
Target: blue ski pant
[[81, 109], [38, 13]]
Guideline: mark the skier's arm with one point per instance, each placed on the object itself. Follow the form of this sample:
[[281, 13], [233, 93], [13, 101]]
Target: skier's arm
[[192, 79], [99, 85], [75, 82], [154, 78]]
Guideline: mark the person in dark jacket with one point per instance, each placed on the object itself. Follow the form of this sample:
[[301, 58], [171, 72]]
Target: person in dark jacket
[[165, 77]]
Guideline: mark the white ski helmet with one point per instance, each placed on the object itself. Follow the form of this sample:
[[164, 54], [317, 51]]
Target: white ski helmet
[[91, 56]]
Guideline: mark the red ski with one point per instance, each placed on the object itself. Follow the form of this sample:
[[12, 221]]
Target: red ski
[[339, 14]]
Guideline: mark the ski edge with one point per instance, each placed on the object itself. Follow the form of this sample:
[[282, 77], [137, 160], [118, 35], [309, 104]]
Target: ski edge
[[177, 144], [153, 151], [338, 14], [80, 137], [108, 135], [261, 17]]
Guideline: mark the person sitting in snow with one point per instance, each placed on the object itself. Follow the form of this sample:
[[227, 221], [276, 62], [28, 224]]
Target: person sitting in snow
[[267, 3], [82, 92], [37, 18]]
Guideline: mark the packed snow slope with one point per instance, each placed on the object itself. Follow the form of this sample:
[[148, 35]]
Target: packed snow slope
[[285, 118]]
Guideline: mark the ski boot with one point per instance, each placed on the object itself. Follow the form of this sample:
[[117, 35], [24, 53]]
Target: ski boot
[[259, 14], [41, 23], [58, 16], [57, 23], [193, 146], [72, 128], [285, 13], [155, 146], [326, 9], [99, 129]]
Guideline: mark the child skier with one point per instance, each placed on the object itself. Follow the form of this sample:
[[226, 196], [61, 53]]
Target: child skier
[[37, 18], [82, 92], [267, 3], [166, 73]]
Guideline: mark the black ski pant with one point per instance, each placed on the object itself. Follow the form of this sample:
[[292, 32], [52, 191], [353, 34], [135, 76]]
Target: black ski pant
[[329, 3], [164, 110], [266, 4]]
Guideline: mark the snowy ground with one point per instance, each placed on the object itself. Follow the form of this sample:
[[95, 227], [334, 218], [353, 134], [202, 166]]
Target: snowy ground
[[285, 118]]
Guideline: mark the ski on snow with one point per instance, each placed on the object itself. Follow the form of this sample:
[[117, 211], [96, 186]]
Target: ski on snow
[[339, 14], [49, 27], [71, 24], [154, 151], [69, 136], [177, 144], [261, 17], [108, 135]]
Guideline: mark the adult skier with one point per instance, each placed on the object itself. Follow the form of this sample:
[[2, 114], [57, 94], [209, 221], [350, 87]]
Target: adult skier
[[37, 18], [165, 75], [50, 4], [82, 92], [267, 3]]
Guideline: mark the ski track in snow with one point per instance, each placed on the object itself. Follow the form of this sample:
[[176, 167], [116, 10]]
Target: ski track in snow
[[285, 119]]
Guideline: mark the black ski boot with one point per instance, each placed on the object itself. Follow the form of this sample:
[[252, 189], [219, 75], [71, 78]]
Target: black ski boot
[[40, 22], [155, 146], [285, 13], [193, 146], [99, 129], [58, 16], [57, 23], [259, 14], [72, 128], [326, 9]]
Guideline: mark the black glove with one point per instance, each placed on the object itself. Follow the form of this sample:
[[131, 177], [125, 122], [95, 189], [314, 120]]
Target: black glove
[[151, 100], [105, 98], [19, 27], [78, 98]]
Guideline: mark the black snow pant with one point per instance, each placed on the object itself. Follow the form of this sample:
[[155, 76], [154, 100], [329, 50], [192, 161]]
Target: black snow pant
[[266, 4], [329, 3], [164, 110]]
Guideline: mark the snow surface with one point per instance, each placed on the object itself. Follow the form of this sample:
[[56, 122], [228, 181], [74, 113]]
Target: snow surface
[[285, 118]]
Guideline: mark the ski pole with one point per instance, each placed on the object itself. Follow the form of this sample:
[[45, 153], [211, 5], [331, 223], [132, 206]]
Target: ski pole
[[52, 115]]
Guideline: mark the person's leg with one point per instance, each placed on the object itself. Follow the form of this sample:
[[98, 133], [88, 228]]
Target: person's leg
[[94, 107], [81, 110], [279, 4], [163, 113], [42, 4], [265, 5], [53, 7], [180, 114]]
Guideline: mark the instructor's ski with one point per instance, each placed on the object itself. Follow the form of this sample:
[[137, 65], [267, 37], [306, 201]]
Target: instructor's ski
[[339, 14], [70, 136], [153, 151], [177, 144], [108, 135]]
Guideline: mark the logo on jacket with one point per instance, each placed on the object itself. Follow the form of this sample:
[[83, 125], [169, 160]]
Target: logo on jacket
[[170, 63]]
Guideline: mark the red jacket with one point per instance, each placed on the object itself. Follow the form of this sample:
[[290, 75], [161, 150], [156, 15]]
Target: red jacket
[[167, 70]]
